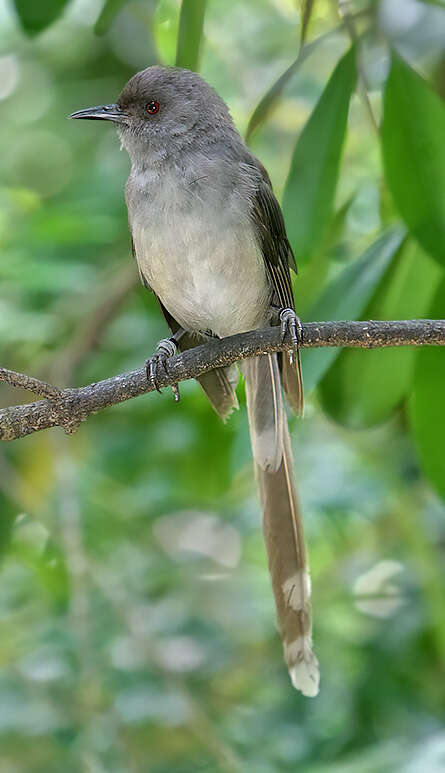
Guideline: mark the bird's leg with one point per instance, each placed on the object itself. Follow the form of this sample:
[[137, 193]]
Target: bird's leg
[[166, 348], [291, 324]]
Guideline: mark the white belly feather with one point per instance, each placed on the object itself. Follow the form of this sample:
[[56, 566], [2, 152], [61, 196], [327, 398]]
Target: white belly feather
[[202, 261]]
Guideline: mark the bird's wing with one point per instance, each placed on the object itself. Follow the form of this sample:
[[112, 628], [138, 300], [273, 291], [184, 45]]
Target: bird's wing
[[278, 259], [144, 279], [271, 234]]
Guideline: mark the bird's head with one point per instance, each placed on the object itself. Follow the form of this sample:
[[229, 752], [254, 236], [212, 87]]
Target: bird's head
[[163, 108]]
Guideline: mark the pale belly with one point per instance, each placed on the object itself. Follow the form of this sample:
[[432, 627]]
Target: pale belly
[[209, 276]]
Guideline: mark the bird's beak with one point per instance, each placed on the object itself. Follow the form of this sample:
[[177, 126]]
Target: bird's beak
[[101, 113]]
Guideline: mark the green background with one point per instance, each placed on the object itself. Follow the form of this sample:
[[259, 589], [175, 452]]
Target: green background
[[137, 622]]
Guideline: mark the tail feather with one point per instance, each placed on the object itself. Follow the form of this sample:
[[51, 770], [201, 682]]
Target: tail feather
[[282, 524], [265, 409], [219, 385], [293, 382]]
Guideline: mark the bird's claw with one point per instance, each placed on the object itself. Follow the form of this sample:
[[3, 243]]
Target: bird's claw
[[165, 349], [291, 324]]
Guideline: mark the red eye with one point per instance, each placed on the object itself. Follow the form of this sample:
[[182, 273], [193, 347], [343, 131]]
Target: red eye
[[152, 107]]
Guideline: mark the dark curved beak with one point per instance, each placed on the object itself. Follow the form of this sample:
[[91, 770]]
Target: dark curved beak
[[101, 113]]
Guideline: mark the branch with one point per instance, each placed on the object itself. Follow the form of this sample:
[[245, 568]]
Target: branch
[[22, 381], [75, 405]]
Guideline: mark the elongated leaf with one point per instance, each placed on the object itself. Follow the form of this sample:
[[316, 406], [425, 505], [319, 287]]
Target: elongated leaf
[[36, 15], [270, 100], [107, 15], [6, 523], [165, 30], [364, 387], [438, 77], [312, 277], [427, 407], [413, 147], [191, 23], [346, 297], [267, 103], [310, 187], [307, 6]]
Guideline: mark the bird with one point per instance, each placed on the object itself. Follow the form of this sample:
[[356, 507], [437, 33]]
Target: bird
[[210, 242]]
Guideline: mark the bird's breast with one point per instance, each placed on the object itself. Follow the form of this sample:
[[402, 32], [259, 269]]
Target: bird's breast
[[201, 258]]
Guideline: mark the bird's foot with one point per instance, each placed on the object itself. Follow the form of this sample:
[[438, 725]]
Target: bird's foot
[[155, 364], [291, 324]]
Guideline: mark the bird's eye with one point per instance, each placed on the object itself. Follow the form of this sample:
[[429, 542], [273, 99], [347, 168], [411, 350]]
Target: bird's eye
[[152, 107]]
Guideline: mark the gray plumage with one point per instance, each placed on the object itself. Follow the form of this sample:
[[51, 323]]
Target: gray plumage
[[210, 241]]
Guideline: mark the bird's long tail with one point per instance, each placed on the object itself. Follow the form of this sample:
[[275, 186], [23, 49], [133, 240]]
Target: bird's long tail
[[282, 524]]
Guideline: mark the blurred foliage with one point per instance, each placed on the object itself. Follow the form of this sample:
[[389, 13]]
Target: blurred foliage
[[413, 129], [310, 187], [137, 618], [191, 21], [35, 17]]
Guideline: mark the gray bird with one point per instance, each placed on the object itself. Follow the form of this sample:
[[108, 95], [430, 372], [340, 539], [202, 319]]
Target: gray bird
[[210, 242]]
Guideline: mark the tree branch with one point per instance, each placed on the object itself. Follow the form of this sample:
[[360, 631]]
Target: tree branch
[[22, 381], [74, 405]]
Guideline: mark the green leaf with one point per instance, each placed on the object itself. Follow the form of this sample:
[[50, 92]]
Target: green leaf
[[267, 103], [36, 15], [191, 23], [307, 6], [6, 523], [107, 15], [413, 131], [312, 277], [165, 30], [365, 386], [346, 297], [440, 3], [427, 407], [310, 187], [271, 97]]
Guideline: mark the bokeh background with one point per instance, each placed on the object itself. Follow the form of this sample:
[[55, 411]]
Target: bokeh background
[[137, 622]]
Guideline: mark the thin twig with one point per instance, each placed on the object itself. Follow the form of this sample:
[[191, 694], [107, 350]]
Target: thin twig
[[35, 385], [75, 405]]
